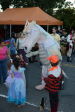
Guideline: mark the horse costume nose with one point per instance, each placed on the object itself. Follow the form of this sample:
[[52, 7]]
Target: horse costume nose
[[25, 48]]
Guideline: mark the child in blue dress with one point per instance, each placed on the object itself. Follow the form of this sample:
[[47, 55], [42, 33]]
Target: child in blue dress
[[17, 90]]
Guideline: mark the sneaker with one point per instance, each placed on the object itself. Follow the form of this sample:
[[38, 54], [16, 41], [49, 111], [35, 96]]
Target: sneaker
[[40, 87]]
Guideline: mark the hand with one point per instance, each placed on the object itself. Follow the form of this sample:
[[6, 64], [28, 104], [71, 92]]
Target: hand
[[17, 56]]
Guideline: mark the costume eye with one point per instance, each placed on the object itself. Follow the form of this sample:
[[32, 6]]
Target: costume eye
[[26, 48]]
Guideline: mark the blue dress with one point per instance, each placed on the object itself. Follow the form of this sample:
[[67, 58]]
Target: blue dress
[[17, 89]]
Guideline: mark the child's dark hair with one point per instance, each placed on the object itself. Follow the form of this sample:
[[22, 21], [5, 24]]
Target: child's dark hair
[[54, 64], [16, 63]]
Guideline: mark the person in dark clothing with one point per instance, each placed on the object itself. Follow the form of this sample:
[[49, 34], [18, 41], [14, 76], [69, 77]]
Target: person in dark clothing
[[4, 56], [33, 59]]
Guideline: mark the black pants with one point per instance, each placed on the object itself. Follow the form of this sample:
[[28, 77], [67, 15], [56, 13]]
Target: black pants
[[54, 100]]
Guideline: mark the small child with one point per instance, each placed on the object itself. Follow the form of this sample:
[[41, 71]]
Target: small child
[[17, 90], [53, 82]]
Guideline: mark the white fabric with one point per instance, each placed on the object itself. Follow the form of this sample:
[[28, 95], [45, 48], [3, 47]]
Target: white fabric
[[69, 40], [21, 43], [50, 43], [55, 72], [44, 73], [31, 39], [69, 53], [32, 54]]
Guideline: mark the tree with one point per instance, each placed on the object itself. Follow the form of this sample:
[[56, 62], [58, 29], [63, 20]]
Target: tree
[[64, 4], [5, 3], [67, 16], [46, 5], [66, 13]]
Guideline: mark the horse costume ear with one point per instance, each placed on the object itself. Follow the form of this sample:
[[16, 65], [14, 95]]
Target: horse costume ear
[[26, 24]]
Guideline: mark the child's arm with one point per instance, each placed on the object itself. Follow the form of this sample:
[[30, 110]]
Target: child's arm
[[65, 74], [46, 79], [21, 57]]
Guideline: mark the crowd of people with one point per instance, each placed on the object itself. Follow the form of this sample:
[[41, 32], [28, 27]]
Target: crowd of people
[[12, 72], [67, 38], [13, 63]]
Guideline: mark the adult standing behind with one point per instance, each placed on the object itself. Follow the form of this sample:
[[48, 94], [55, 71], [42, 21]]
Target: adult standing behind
[[12, 46], [4, 54], [73, 38], [64, 35], [64, 44], [55, 35], [20, 45], [70, 40]]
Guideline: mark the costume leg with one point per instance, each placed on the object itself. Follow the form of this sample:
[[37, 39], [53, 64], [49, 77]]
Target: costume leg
[[44, 74], [54, 101]]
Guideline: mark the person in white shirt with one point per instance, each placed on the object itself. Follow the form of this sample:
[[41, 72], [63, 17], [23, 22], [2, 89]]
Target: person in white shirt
[[20, 45], [70, 40]]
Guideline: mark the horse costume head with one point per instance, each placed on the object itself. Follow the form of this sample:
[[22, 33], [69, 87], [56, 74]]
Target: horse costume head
[[34, 34], [31, 34]]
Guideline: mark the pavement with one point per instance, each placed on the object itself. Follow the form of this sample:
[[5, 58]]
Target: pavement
[[33, 78]]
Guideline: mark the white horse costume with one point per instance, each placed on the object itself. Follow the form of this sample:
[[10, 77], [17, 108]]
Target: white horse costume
[[47, 46]]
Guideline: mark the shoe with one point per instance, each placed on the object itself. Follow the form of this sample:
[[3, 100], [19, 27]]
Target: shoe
[[69, 59], [40, 87], [42, 104], [20, 105]]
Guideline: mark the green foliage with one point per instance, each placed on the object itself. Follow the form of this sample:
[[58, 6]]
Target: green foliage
[[5, 3], [67, 16], [46, 5]]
